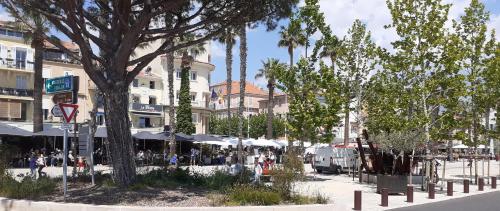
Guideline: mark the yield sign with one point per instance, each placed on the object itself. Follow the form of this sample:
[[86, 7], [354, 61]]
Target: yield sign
[[68, 110]]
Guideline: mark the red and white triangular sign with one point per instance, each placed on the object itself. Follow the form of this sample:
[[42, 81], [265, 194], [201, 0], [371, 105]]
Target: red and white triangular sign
[[68, 110]]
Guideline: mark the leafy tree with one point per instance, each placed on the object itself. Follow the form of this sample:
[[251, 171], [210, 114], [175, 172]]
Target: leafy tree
[[356, 58], [124, 25], [476, 49], [269, 71]]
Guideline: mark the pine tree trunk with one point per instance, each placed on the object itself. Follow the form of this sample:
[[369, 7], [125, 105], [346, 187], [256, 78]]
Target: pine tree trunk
[[229, 70], [121, 146], [243, 75], [290, 142], [171, 101], [270, 106], [38, 87]]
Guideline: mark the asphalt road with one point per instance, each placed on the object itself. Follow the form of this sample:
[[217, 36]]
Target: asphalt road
[[482, 202]]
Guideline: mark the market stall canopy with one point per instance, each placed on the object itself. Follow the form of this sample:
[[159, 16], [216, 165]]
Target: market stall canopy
[[51, 131], [147, 135], [261, 143], [178, 136], [460, 146], [206, 138], [6, 129]]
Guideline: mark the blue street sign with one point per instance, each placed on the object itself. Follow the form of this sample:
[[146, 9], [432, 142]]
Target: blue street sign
[[59, 84]]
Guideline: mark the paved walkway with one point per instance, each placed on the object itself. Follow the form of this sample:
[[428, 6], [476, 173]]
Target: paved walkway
[[481, 202]]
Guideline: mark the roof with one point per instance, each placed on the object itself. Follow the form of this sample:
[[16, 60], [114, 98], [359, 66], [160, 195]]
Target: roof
[[69, 45], [250, 88]]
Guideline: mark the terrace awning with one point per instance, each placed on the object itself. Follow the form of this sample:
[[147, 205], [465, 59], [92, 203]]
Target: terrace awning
[[6, 129]]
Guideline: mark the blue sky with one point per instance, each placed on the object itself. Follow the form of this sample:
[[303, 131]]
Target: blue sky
[[339, 15]]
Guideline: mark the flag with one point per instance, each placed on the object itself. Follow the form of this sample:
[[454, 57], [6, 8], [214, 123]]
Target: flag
[[214, 95]]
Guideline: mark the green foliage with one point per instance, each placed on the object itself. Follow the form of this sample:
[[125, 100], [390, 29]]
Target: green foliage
[[253, 195], [184, 115], [27, 188], [223, 126]]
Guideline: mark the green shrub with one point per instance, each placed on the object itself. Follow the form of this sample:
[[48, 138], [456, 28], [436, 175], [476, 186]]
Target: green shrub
[[316, 199], [284, 177], [27, 188], [253, 195]]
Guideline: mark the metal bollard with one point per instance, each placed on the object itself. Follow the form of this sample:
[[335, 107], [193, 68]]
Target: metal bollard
[[432, 190], [385, 197], [493, 182], [409, 194], [481, 184], [449, 188], [466, 186], [357, 200]]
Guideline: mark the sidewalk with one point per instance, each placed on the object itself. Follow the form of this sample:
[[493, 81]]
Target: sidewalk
[[340, 189]]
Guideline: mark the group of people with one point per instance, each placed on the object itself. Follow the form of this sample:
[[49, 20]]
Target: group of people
[[36, 162], [263, 164]]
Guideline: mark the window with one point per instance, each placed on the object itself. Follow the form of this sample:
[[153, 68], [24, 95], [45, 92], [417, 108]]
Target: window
[[194, 117], [45, 114], [21, 82], [136, 99], [152, 100], [20, 58], [193, 97], [152, 85], [178, 74], [193, 76], [177, 95], [68, 72], [135, 83]]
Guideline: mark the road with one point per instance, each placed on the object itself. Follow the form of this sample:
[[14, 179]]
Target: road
[[481, 202]]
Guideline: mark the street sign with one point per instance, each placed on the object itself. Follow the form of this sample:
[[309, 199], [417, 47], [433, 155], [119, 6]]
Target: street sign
[[56, 111], [83, 142], [66, 97], [59, 84], [68, 110]]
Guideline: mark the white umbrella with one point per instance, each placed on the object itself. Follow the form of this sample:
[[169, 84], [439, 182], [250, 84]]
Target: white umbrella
[[264, 143], [460, 146]]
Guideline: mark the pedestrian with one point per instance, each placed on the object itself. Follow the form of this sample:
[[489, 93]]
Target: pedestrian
[[81, 163], [193, 156], [32, 164], [173, 161], [40, 162], [257, 171]]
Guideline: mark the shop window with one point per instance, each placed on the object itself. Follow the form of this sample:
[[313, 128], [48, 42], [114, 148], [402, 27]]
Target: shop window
[[152, 85]]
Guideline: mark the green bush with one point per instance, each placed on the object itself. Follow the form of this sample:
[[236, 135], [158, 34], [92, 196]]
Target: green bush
[[27, 188], [253, 195]]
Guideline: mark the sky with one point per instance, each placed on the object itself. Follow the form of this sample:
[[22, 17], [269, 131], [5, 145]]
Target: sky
[[339, 14]]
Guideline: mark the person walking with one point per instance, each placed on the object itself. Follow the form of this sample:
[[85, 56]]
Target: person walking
[[32, 164], [257, 171], [40, 162]]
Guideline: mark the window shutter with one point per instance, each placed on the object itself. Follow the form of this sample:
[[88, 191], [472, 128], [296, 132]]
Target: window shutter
[[3, 51]]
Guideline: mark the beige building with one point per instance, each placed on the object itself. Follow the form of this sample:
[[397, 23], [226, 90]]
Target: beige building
[[17, 75], [253, 95], [280, 108]]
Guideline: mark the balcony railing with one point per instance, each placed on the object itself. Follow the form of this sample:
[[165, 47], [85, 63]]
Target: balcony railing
[[20, 65], [16, 92]]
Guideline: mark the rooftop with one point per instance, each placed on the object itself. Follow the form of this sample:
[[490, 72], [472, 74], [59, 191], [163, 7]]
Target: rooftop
[[250, 88]]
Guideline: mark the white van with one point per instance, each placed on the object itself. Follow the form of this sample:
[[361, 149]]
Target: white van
[[334, 160]]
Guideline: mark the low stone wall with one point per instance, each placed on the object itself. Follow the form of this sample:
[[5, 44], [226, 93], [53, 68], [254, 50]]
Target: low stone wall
[[25, 205]]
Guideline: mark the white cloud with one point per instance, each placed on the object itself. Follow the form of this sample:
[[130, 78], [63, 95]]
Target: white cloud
[[495, 24], [375, 14]]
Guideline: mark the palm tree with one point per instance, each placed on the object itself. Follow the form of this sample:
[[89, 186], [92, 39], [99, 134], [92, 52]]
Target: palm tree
[[243, 73], [331, 48], [270, 68], [292, 37], [35, 27], [228, 38]]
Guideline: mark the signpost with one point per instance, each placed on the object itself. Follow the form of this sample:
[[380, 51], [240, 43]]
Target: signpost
[[59, 84], [56, 111], [68, 112]]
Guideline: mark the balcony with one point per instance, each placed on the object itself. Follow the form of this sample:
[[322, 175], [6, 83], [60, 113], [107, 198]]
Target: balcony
[[16, 65], [16, 92]]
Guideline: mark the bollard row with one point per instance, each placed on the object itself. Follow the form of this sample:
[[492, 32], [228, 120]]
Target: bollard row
[[384, 193]]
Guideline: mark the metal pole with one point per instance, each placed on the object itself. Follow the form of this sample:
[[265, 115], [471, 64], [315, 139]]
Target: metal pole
[[463, 167], [65, 159], [90, 144]]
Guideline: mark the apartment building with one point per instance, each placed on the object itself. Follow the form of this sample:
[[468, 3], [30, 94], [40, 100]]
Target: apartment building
[[150, 102], [280, 108], [253, 96], [17, 77]]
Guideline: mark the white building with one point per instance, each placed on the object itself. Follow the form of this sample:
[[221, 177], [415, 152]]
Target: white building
[[149, 92]]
